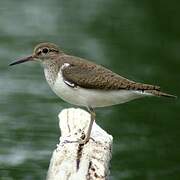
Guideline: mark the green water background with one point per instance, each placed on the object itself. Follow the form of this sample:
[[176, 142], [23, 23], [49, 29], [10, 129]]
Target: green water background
[[137, 39]]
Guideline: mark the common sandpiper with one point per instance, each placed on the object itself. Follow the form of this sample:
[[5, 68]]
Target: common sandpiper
[[84, 83]]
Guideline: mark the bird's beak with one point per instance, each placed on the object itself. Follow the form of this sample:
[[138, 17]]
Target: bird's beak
[[25, 59]]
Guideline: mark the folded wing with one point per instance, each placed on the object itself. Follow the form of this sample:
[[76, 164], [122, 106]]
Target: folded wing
[[91, 76]]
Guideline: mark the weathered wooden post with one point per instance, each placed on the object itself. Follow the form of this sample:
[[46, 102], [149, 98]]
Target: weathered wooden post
[[74, 161]]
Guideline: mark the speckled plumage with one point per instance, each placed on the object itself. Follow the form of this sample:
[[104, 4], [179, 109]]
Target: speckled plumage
[[83, 73], [92, 76], [89, 75], [85, 83]]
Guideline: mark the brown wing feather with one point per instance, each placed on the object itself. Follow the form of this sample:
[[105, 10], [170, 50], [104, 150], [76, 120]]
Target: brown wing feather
[[91, 76]]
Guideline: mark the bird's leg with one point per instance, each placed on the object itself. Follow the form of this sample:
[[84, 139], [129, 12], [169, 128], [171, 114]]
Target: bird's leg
[[93, 115]]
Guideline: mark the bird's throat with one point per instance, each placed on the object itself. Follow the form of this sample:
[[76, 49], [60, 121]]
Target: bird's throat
[[51, 70]]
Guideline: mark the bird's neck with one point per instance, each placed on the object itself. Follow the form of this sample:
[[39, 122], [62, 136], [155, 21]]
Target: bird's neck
[[51, 69]]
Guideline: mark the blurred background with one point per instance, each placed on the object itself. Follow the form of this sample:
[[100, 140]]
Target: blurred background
[[137, 39]]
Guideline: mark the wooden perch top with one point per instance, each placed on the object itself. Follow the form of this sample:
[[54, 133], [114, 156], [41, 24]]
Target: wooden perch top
[[74, 161]]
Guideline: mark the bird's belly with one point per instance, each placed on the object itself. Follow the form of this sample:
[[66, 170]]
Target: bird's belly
[[92, 97]]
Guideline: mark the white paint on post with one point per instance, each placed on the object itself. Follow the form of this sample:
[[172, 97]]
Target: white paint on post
[[73, 161]]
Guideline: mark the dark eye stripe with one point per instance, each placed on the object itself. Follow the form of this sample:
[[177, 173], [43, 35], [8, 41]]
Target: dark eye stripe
[[53, 50]]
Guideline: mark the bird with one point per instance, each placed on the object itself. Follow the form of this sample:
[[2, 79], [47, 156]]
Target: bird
[[84, 83]]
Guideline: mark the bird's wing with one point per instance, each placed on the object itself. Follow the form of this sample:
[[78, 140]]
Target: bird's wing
[[91, 76]]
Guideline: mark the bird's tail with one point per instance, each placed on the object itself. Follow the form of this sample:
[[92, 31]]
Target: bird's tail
[[160, 93]]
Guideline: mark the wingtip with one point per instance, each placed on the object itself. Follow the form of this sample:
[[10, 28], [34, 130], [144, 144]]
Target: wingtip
[[161, 94], [167, 95]]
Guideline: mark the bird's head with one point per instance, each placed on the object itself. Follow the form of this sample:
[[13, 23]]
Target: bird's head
[[42, 52]]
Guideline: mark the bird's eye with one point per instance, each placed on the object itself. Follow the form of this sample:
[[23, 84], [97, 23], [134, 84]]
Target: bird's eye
[[45, 50]]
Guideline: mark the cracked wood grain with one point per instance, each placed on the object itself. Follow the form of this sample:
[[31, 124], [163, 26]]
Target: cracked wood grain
[[71, 160]]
